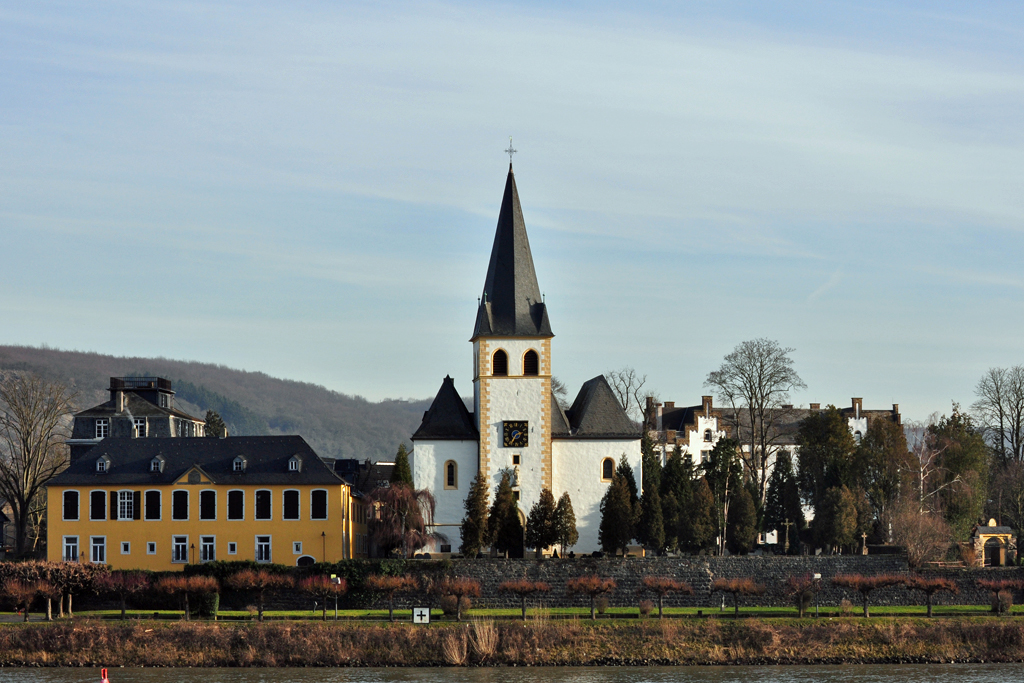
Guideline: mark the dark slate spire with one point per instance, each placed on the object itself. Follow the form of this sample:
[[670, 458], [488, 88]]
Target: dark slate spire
[[448, 417], [511, 305]]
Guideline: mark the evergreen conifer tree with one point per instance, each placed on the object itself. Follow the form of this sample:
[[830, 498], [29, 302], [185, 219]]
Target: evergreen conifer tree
[[741, 531], [625, 471], [504, 528], [215, 427], [402, 474], [782, 502], [474, 524], [616, 530], [541, 531], [651, 526], [702, 525], [565, 523]]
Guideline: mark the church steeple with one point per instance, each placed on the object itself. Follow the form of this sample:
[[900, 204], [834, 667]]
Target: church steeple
[[511, 305]]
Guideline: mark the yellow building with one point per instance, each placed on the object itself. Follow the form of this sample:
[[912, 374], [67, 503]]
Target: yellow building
[[160, 504]]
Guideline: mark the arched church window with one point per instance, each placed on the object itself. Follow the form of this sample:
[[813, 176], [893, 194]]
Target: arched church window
[[607, 469], [707, 435], [451, 475], [499, 363], [531, 363]]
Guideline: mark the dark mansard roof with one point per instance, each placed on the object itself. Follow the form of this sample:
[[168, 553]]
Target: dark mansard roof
[[266, 461]]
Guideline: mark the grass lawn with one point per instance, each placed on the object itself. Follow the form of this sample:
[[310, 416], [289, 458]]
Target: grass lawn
[[583, 613]]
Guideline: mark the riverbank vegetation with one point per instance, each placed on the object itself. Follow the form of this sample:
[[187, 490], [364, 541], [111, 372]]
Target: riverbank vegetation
[[515, 643]]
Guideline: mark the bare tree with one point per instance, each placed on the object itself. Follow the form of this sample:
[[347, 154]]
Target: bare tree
[[926, 468], [34, 423], [628, 386], [755, 380], [1000, 411]]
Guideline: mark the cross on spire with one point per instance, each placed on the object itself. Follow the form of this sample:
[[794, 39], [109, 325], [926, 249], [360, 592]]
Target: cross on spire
[[510, 151]]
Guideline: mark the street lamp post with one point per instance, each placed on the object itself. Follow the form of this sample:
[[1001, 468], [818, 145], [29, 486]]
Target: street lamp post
[[817, 590], [323, 539]]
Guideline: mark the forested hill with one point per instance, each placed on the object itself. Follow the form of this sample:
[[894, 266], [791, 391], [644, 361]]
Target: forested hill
[[251, 403]]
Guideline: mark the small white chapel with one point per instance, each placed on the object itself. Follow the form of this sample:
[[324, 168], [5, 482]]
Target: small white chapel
[[516, 422]]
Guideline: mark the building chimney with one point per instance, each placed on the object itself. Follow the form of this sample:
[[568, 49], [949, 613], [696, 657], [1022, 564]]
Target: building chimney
[[118, 396], [670, 405], [896, 412], [858, 403], [815, 406], [705, 402]]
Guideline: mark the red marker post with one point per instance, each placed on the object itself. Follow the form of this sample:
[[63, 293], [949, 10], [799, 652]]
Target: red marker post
[[103, 676]]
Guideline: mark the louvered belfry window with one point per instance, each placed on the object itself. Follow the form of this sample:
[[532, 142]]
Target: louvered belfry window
[[531, 363], [499, 363]]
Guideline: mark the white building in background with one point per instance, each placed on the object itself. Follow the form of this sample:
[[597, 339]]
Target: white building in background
[[516, 422]]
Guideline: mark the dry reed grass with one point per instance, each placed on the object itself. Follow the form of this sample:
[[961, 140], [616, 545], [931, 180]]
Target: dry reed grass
[[453, 645], [485, 640], [555, 642]]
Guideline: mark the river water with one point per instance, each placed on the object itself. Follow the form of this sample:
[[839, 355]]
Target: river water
[[906, 673]]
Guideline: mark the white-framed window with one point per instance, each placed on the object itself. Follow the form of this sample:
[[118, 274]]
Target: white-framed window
[[296, 547], [151, 548], [263, 504], [126, 548], [318, 504], [207, 548], [153, 507], [125, 505], [102, 427], [232, 548], [98, 549], [140, 427], [295, 464], [70, 506], [97, 505], [102, 464], [236, 504], [165, 401], [71, 548], [238, 464], [263, 549], [179, 505], [179, 549], [157, 464], [208, 504], [290, 504]]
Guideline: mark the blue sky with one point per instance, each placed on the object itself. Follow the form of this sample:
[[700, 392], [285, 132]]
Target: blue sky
[[310, 189]]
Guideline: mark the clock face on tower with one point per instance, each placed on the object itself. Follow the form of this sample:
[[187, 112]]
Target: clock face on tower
[[516, 433]]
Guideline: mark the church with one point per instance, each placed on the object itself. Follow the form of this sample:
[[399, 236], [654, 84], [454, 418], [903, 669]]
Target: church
[[517, 422]]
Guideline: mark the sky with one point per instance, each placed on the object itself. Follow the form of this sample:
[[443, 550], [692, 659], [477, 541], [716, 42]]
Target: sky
[[310, 189]]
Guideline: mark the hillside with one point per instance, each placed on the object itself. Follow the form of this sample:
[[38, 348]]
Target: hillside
[[251, 403]]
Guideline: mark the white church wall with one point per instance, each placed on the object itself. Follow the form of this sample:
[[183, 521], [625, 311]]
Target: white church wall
[[427, 462], [577, 469]]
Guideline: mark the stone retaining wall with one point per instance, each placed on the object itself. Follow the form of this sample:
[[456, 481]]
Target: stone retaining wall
[[699, 572]]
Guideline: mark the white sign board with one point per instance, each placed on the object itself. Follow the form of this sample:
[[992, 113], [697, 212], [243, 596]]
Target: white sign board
[[421, 615]]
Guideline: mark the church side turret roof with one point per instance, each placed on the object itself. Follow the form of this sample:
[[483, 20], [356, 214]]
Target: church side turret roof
[[596, 413], [511, 305], [447, 418]]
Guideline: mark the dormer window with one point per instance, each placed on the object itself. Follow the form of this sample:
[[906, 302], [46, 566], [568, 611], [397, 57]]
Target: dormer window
[[102, 464], [238, 465], [156, 465], [295, 464]]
